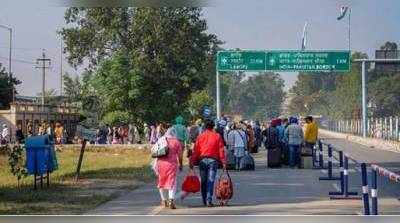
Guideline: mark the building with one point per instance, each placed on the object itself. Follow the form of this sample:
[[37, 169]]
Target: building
[[24, 113]]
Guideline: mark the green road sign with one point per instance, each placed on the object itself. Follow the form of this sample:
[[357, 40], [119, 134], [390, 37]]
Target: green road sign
[[241, 60], [338, 61], [288, 61]]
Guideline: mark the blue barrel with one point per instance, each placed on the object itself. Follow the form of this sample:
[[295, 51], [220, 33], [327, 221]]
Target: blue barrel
[[37, 141], [40, 155]]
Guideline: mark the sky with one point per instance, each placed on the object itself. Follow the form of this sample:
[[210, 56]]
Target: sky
[[246, 24]]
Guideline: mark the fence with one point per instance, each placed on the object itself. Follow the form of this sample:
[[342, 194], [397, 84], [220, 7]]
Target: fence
[[344, 177], [386, 128]]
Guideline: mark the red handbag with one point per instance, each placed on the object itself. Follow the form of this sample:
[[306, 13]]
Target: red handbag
[[191, 184]]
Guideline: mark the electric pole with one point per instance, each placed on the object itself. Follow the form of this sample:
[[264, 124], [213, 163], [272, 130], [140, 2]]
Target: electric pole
[[43, 63], [61, 69]]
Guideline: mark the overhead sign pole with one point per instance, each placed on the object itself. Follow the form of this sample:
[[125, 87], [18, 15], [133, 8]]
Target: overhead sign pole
[[364, 89], [218, 96]]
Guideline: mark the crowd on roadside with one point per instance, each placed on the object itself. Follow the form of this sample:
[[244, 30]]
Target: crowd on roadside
[[224, 143], [55, 130]]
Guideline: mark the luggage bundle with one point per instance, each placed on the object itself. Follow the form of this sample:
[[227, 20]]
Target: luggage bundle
[[274, 157], [191, 184], [247, 162], [224, 188]]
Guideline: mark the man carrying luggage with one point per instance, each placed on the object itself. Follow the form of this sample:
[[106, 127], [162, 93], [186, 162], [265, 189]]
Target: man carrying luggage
[[208, 154]]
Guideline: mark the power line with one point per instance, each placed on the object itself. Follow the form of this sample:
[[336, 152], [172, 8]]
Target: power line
[[21, 48], [18, 60]]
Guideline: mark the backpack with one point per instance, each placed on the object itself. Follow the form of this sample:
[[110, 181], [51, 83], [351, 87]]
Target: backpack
[[224, 188], [160, 148]]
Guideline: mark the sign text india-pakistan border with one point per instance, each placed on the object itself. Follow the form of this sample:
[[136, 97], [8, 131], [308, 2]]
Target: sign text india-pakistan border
[[284, 60]]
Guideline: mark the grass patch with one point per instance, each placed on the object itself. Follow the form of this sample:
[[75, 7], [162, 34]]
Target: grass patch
[[106, 173]]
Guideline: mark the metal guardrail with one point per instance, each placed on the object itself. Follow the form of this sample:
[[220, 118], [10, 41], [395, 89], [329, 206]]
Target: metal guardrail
[[344, 179], [375, 172], [343, 159]]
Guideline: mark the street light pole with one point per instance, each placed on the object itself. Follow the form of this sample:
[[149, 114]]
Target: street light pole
[[9, 59], [364, 99]]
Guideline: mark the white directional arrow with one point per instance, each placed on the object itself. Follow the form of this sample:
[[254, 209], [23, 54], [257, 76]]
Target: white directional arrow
[[224, 60]]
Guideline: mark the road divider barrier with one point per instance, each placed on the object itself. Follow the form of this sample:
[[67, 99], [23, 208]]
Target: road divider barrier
[[330, 165], [375, 172], [344, 178]]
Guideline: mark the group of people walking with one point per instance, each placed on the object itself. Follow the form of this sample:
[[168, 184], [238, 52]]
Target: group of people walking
[[207, 152], [287, 140], [207, 144]]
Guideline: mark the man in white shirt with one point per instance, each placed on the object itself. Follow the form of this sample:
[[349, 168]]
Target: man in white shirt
[[5, 135]]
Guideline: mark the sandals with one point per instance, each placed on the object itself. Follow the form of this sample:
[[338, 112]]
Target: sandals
[[171, 204], [164, 204]]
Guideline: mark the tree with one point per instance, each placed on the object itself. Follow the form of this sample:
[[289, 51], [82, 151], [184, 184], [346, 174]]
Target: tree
[[145, 61], [389, 46], [51, 97], [197, 101], [72, 88], [336, 95], [385, 96], [7, 86], [256, 96]]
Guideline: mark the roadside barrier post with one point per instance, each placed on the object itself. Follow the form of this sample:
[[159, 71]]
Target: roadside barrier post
[[330, 165], [346, 178], [321, 155], [344, 174], [374, 192], [341, 192], [364, 178]]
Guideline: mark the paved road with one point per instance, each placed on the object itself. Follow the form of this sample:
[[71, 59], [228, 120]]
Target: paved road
[[262, 192], [361, 153], [367, 154]]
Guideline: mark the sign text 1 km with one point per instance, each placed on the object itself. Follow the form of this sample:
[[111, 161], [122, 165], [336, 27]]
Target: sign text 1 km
[[284, 60]]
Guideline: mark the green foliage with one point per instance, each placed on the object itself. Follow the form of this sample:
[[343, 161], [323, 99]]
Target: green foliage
[[338, 96], [257, 96], [72, 88], [335, 95], [6, 86], [143, 61], [384, 95], [117, 118], [80, 92], [16, 161], [197, 101]]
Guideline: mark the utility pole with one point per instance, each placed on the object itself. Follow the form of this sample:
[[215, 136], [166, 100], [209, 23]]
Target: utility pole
[[43, 63], [9, 59], [61, 69], [364, 82]]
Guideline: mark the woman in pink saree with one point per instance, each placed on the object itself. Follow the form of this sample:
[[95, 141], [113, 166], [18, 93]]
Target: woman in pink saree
[[167, 169]]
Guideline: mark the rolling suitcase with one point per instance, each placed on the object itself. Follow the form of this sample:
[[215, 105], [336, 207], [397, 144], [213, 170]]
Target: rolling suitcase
[[274, 157], [247, 162]]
